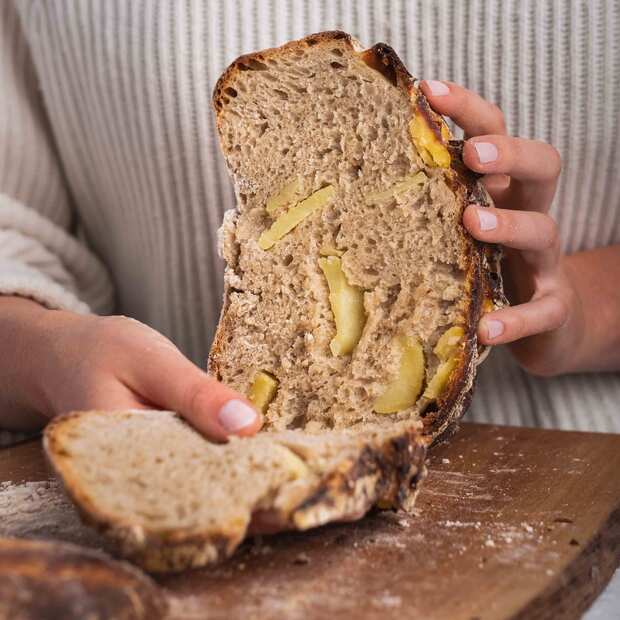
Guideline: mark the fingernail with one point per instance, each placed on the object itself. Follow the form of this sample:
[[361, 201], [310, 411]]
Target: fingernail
[[487, 152], [235, 415], [494, 328], [437, 88], [487, 219]]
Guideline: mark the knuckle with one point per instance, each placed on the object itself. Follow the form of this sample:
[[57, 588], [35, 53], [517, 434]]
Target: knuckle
[[498, 116], [558, 312], [194, 395], [555, 160], [551, 234], [199, 396], [516, 326]]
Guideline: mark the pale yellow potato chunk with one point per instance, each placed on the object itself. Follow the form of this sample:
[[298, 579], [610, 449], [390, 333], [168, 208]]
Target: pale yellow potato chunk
[[407, 183], [448, 342], [291, 218], [263, 390], [328, 250], [446, 350], [440, 379], [403, 392], [288, 195], [295, 466], [347, 304], [428, 145]]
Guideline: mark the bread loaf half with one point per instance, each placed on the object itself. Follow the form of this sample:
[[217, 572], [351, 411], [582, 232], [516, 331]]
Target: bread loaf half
[[352, 298], [353, 291]]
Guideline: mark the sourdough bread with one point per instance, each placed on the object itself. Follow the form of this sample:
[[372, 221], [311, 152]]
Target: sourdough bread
[[171, 500], [52, 580], [322, 118], [351, 303]]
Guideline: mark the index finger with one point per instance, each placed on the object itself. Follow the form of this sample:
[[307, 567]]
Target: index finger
[[475, 115]]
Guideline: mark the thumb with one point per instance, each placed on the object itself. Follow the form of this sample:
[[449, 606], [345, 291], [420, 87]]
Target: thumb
[[170, 381]]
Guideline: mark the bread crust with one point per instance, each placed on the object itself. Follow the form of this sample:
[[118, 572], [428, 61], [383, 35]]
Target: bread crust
[[386, 470], [41, 580]]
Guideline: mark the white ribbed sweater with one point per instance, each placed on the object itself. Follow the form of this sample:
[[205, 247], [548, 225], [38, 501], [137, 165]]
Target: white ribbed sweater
[[113, 186]]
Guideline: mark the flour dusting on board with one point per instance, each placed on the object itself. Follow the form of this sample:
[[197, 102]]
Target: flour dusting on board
[[39, 509]]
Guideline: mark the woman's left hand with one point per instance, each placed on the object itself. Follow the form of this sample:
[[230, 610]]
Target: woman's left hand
[[545, 324]]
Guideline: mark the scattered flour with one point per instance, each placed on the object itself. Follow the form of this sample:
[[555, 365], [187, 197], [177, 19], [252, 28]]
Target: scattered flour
[[40, 510]]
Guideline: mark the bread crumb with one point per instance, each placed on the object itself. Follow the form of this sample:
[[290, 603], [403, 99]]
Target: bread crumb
[[489, 542], [445, 461]]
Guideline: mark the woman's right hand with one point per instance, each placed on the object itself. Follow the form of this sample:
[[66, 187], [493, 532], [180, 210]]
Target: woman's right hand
[[66, 362]]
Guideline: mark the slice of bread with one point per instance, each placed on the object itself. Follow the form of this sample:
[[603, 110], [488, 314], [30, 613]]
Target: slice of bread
[[344, 173], [352, 298], [171, 500]]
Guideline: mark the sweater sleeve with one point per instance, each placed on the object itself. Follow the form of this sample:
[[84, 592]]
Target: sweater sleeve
[[39, 257]]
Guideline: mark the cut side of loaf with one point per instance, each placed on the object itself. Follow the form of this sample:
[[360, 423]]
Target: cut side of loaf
[[352, 288], [171, 500]]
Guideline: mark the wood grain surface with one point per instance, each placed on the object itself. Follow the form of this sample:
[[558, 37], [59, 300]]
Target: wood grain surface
[[511, 523]]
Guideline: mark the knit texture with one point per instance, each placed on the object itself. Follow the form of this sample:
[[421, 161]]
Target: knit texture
[[107, 136]]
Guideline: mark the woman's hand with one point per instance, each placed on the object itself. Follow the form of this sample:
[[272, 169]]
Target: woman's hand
[[66, 362], [545, 323]]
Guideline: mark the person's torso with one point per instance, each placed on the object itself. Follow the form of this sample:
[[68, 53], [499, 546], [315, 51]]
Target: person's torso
[[128, 86]]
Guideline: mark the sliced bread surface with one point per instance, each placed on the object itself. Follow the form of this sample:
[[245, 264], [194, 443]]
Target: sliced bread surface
[[171, 500], [346, 251]]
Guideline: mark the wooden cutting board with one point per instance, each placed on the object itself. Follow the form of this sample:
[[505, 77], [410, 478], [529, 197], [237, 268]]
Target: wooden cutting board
[[511, 523]]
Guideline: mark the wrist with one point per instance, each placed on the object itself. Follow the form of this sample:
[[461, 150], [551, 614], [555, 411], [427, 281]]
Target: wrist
[[25, 328]]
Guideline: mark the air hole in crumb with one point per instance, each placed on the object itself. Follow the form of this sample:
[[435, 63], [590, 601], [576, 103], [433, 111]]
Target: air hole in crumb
[[253, 65], [299, 421], [280, 93], [262, 129], [371, 271], [336, 52], [285, 151], [312, 42], [336, 65], [432, 408], [287, 260], [361, 392], [229, 90]]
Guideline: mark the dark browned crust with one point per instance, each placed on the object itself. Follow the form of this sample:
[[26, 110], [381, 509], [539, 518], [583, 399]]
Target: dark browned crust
[[48, 580], [393, 471]]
